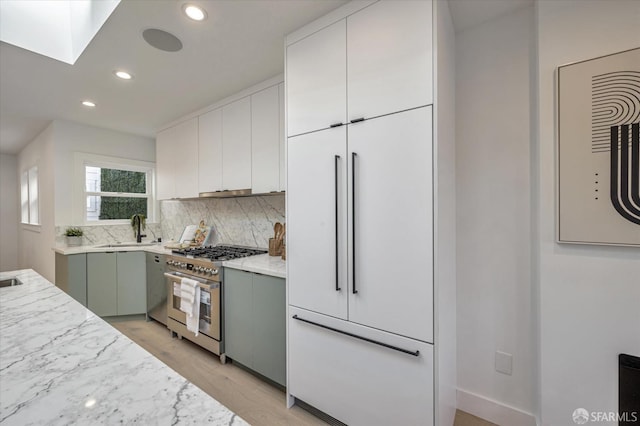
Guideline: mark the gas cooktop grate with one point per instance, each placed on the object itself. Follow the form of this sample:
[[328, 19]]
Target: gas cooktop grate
[[218, 252]]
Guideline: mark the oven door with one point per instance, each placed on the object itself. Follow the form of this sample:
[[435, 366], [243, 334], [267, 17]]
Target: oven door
[[210, 315]]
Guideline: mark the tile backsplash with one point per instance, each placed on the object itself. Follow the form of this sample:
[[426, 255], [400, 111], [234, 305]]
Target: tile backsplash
[[245, 221]]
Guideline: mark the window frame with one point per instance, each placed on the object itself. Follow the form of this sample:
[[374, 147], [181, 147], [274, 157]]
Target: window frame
[[29, 191], [84, 160]]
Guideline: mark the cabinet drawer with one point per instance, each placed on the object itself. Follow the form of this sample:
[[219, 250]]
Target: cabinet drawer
[[356, 381]]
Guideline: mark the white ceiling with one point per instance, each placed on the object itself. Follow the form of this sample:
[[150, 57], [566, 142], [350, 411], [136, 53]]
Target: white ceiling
[[238, 45]]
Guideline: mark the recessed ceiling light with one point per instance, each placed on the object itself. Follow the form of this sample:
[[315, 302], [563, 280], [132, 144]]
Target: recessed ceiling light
[[88, 104], [195, 12], [123, 75]]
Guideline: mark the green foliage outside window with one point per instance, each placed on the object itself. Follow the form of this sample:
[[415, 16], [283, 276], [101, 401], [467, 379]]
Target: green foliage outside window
[[112, 180]]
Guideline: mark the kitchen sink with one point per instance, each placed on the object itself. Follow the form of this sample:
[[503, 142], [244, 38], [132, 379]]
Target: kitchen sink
[[125, 245], [10, 282]]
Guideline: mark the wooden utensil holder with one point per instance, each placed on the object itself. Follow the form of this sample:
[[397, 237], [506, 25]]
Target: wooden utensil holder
[[275, 247]]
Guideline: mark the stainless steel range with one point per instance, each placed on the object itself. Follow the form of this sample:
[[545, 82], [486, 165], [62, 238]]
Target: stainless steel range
[[203, 264]]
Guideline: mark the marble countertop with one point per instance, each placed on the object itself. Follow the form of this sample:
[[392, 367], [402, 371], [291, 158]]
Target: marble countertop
[[262, 264], [155, 248], [61, 364]]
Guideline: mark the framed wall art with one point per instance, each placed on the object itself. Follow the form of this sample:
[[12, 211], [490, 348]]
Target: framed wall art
[[599, 150]]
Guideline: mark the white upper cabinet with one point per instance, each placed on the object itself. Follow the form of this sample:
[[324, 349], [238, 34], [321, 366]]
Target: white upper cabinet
[[165, 165], [389, 51], [282, 139], [186, 142], [176, 154], [210, 151], [265, 141], [236, 145], [316, 82]]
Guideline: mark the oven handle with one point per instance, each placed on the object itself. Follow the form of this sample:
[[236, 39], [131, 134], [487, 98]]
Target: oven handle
[[209, 284]]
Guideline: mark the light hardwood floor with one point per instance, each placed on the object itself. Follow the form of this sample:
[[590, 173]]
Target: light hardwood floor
[[258, 402]]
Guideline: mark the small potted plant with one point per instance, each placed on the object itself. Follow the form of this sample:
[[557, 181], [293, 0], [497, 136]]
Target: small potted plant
[[74, 236]]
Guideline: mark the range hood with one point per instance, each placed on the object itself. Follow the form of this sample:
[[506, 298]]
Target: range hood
[[235, 193]]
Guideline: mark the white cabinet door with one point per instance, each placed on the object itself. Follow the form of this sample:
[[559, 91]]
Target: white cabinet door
[[389, 61], [210, 151], [236, 145], [316, 82], [265, 146], [185, 160], [392, 220], [165, 165], [316, 254], [282, 140], [359, 382]]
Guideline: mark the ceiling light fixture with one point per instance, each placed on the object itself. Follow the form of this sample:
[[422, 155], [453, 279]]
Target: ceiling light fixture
[[195, 12], [162, 40], [88, 104], [123, 75]]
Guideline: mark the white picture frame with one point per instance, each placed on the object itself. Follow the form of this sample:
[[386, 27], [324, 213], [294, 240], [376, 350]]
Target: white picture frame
[[598, 111]]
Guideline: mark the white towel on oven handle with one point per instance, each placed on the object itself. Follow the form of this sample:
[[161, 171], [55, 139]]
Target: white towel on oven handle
[[190, 303]]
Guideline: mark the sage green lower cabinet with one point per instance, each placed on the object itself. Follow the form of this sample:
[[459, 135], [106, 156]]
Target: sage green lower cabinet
[[255, 322], [102, 291], [116, 283], [238, 316], [71, 275], [132, 282]]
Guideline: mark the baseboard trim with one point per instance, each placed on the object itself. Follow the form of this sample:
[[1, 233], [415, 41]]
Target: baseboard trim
[[493, 411]]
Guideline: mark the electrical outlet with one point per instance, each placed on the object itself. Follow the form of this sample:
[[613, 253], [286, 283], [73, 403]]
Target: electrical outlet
[[504, 362]]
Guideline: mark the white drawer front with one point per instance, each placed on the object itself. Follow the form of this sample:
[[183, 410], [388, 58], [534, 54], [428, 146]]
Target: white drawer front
[[356, 381]]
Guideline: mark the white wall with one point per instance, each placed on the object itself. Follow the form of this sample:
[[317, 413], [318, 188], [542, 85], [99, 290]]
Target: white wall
[[589, 294], [9, 212], [35, 242], [445, 241], [74, 137], [493, 166], [53, 152]]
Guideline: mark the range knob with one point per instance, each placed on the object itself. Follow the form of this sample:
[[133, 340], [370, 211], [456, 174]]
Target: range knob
[[169, 262]]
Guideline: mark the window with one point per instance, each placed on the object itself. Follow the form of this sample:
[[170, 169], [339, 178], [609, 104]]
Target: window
[[116, 189], [29, 196]]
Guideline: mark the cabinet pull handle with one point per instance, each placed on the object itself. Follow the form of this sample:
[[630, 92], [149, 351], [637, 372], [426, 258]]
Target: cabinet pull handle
[[336, 125], [353, 221], [335, 165], [366, 339], [357, 120]]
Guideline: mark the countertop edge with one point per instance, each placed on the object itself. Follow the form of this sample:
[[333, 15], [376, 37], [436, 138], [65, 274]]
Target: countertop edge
[[260, 264], [65, 250]]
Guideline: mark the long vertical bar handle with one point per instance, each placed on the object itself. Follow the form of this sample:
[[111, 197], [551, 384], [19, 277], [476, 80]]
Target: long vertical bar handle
[[353, 221], [336, 159]]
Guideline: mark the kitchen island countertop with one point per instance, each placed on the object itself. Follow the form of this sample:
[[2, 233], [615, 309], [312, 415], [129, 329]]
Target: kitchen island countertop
[[262, 264], [61, 364]]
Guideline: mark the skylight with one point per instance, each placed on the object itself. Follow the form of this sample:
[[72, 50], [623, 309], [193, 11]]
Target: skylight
[[59, 29]]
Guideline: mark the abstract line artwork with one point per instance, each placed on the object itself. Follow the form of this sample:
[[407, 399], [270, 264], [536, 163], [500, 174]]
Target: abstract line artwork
[[599, 150]]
